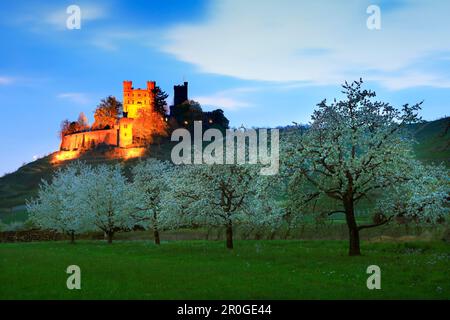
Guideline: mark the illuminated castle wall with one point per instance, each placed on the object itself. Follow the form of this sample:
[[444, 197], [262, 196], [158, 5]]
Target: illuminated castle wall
[[121, 134], [136, 99], [89, 139]]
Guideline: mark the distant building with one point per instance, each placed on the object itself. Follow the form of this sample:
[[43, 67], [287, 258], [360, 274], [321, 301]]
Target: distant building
[[129, 129], [180, 93], [180, 96], [121, 134], [184, 112]]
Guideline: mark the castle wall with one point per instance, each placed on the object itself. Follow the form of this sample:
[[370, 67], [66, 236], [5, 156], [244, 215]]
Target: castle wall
[[89, 139]]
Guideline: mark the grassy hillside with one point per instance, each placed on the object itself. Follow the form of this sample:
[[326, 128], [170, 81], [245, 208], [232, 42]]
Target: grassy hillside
[[433, 141], [23, 184], [433, 145], [253, 270]]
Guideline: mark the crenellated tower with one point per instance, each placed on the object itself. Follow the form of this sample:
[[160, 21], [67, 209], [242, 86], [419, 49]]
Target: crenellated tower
[[137, 99]]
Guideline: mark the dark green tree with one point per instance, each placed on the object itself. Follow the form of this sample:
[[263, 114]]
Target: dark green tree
[[160, 101], [217, 118]]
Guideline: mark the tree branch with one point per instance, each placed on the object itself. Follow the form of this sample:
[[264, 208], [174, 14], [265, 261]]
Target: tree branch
[[337, 211], [367, 226]]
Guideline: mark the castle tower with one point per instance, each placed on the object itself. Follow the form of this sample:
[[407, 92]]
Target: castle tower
[[151, 85], [180, 94], [127, 86], [125, 132], [137, 99]]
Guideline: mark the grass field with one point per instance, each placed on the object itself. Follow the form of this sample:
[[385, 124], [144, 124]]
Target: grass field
[[206, 270]]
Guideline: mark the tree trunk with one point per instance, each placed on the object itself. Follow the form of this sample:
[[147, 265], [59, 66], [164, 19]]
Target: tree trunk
[[110, 237], [72, 237], [288, 233], [272, 235], [156, 236], [354, 249], [155, 229], [229, 236]]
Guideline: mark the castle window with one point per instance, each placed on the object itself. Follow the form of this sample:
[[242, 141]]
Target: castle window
[[125, 126]]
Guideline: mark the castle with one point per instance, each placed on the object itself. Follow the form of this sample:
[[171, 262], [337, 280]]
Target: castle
[[121, 133], [129, 133]]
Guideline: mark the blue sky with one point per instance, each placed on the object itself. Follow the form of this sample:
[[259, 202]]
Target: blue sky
[[266, 63]]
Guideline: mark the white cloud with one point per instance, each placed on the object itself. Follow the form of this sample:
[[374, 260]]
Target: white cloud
[[58, 17], [317, 42], [112, 39], [412, 79], [222, 102], [4, 80], [23, 80], [75, 97], [230, 99], [43, 18]]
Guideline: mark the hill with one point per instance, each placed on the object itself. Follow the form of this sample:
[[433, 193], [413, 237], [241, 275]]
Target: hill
[[433, 140], [433, 146], [23, 184]]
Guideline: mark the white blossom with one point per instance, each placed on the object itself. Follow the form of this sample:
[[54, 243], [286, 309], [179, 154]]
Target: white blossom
[[150, 187], [219, 195], [57, 204], [354, 149]]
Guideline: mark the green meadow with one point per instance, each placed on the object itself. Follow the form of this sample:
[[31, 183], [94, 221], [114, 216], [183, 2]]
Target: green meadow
[[255, 269]]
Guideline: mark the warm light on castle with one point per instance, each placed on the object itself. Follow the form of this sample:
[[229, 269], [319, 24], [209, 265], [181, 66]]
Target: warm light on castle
[[130, 130], [135, 100]]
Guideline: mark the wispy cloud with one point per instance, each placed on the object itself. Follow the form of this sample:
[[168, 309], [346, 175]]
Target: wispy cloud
[[75, 97], [110, 35], [113, 39], [57, 17], [321, 42], [5, 80], [229, 99], [43, 17], [413, 79], [222, 102]]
